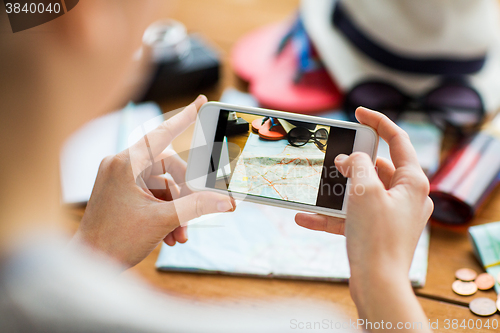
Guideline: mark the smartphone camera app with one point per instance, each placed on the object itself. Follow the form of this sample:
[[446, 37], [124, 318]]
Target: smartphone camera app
[[280, 159]]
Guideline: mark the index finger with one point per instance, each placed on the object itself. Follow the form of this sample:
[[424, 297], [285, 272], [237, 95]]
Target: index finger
[[402, 151], [154, 143], [164, 134]]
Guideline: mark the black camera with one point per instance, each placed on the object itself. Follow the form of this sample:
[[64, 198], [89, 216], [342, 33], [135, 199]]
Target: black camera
[[182, 63]]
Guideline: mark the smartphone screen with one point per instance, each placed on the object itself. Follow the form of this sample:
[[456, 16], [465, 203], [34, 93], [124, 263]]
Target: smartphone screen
[[279, 159]]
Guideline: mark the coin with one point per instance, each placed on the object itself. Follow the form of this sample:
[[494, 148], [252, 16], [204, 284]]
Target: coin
[[465, 274], [464, 288], [483, 306], [485, 281]]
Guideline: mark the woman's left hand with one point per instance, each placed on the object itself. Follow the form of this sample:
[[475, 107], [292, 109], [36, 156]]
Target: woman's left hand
[[134, 206]]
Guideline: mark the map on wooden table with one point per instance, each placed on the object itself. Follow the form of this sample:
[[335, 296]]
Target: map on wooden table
[[265, 241], [277, 170]]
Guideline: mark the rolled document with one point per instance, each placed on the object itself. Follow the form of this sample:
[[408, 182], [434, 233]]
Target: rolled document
[[466, 179]]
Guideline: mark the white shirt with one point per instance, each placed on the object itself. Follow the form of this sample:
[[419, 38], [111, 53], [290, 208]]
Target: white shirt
[[49, 287]]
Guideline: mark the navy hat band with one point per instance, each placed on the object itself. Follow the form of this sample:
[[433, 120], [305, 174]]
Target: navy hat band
[[418, 65]]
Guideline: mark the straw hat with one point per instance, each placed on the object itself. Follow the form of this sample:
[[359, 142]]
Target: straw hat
[[411, 44]]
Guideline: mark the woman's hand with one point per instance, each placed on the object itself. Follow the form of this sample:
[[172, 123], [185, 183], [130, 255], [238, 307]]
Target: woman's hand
[[134, 206], [386, 215]]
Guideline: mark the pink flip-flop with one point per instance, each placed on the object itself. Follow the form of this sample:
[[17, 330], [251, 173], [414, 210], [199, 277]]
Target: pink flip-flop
[[271, 77]]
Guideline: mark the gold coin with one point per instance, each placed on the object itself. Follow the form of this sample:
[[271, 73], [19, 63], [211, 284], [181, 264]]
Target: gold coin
[[485, 281], [464, 288], [465, 274], [483, 306]]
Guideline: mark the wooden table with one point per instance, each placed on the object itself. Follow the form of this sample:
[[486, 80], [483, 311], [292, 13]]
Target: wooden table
[[223, 22]]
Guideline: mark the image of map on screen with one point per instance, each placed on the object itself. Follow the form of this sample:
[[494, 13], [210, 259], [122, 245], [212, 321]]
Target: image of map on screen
[[277, 158]]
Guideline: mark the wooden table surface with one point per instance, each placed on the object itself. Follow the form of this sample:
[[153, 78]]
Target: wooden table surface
[[223, 22]]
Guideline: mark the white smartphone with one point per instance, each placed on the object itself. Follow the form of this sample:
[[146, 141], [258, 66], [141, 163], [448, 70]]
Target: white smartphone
[[275, 158]]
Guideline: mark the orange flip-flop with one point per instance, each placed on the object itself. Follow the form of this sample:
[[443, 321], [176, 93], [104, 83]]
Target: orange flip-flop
[[256, 125], [274, 134]]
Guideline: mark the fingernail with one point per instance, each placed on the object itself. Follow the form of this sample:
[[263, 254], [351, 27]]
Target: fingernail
[[367, 109], [199, 97], [224, 206], [340, 157], [196, 100]]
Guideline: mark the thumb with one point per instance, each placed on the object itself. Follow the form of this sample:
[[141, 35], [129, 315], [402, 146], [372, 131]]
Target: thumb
[[197, 204], [359, 167]]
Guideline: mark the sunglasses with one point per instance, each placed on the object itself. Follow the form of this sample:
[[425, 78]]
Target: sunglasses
[[452, 103], [300, 136]]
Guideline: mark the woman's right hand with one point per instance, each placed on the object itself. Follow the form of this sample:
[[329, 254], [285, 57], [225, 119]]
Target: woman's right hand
[[386, 213]]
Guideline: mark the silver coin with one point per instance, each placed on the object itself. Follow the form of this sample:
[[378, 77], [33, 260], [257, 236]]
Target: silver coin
[[483, 306]]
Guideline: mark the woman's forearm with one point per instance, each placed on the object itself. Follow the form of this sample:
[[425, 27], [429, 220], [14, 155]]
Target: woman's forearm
[[387, 302]]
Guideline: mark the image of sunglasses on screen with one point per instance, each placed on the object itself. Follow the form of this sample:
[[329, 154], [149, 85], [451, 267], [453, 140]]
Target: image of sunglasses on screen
[[297, 133], [300, 136], [453, 103]]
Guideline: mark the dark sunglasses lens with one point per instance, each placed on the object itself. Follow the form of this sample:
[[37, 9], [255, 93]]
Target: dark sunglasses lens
[[456, 105], [321, 136], [299, 136], [455, 97], [377, 96]]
